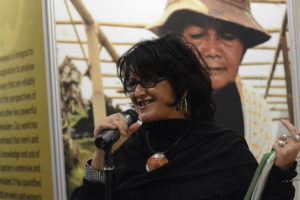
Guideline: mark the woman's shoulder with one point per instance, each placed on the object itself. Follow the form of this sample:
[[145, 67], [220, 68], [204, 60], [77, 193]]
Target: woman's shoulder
[[211, 129], [219, 140]]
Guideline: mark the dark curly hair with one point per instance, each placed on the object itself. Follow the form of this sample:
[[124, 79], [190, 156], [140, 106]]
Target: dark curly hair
[[186, 70]]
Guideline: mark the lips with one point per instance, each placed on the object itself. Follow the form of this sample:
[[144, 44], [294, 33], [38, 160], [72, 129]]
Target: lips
[[145, 102], [217, 68]]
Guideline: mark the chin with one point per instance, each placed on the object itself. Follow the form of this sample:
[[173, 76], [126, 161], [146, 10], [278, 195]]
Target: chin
[[144, 117], [148, 117], [216, 85]]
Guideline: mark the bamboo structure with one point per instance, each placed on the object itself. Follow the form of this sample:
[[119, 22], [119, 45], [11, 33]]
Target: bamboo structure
[[288, 77], [282, 46], [276, 56], [265, 80], [76, 33], [276, 88], [99, 110]]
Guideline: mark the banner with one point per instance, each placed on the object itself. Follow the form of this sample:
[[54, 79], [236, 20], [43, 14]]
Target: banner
[[26, 163]]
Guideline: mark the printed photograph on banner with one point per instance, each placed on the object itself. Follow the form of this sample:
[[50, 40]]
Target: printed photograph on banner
[[244, 44]]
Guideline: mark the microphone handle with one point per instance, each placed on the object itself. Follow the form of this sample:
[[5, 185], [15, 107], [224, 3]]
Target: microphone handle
[[107, 138]]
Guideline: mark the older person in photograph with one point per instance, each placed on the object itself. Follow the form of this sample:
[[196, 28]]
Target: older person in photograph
[[178, 152], [223, 30]]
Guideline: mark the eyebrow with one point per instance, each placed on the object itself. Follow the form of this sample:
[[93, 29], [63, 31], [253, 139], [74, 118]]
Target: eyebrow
[[219, 26]]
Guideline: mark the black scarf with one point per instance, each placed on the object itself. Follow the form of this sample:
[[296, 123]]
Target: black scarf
[[209, 162]]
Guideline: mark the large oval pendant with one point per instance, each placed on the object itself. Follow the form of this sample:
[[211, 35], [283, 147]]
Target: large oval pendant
[[155, 161]]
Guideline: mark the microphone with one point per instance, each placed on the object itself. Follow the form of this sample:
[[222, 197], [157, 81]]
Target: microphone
[[108, 137]]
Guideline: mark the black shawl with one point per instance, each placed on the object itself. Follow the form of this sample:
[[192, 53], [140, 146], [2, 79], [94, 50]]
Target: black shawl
[[209, 162]]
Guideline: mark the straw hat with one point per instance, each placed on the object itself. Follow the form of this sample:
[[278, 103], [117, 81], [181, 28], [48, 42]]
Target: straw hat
[[236, 12]]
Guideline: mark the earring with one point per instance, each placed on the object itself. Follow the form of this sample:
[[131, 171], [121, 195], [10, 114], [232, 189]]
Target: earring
[[182, 105], [185, 105]]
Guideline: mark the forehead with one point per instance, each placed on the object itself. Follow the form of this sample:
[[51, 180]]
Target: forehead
[[218, 25], [142, 72]]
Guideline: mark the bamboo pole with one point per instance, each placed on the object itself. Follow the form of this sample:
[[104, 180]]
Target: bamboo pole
[[288, 77], [276, 102], [70, 41], [283, 27], [76, 33], [264, 47], [261, 78], [110, 75], [88, 20], [106, 43], [98, 100], [77, 58], [279, 118], [124, 43], [278, 95], [259, 63], [278, 109], [272, 86], [83, 12]]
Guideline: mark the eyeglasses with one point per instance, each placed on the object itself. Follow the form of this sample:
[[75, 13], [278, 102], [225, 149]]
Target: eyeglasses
[[131, 84]]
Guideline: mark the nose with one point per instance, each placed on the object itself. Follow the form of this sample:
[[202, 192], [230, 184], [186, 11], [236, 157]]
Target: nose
[[140, 91], [211, 45]]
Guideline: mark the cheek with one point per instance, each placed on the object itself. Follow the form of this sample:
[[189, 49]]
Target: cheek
[[167, 97], [132, 98], [233, 70], [234, 60]]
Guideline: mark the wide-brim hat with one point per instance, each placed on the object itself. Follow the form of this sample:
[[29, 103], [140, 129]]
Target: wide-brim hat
[[237, 12]]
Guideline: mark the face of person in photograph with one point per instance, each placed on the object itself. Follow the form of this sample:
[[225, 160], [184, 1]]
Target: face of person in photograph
[[152, 99], [221, 47]]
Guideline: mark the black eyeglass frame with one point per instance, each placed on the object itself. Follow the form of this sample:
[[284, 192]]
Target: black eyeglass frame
[[144, 83]]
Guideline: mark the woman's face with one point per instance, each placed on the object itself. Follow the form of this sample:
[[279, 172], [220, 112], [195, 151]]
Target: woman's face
[[221, 49], [153, 104]]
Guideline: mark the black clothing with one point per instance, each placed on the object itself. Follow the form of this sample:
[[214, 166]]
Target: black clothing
[[209, 162], [229, 111]]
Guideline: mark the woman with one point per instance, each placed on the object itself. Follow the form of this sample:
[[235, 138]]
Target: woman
[[223, 30], [178, 152]]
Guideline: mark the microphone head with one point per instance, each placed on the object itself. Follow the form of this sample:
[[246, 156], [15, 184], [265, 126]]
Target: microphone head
[[131, 116], [107, 137]]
